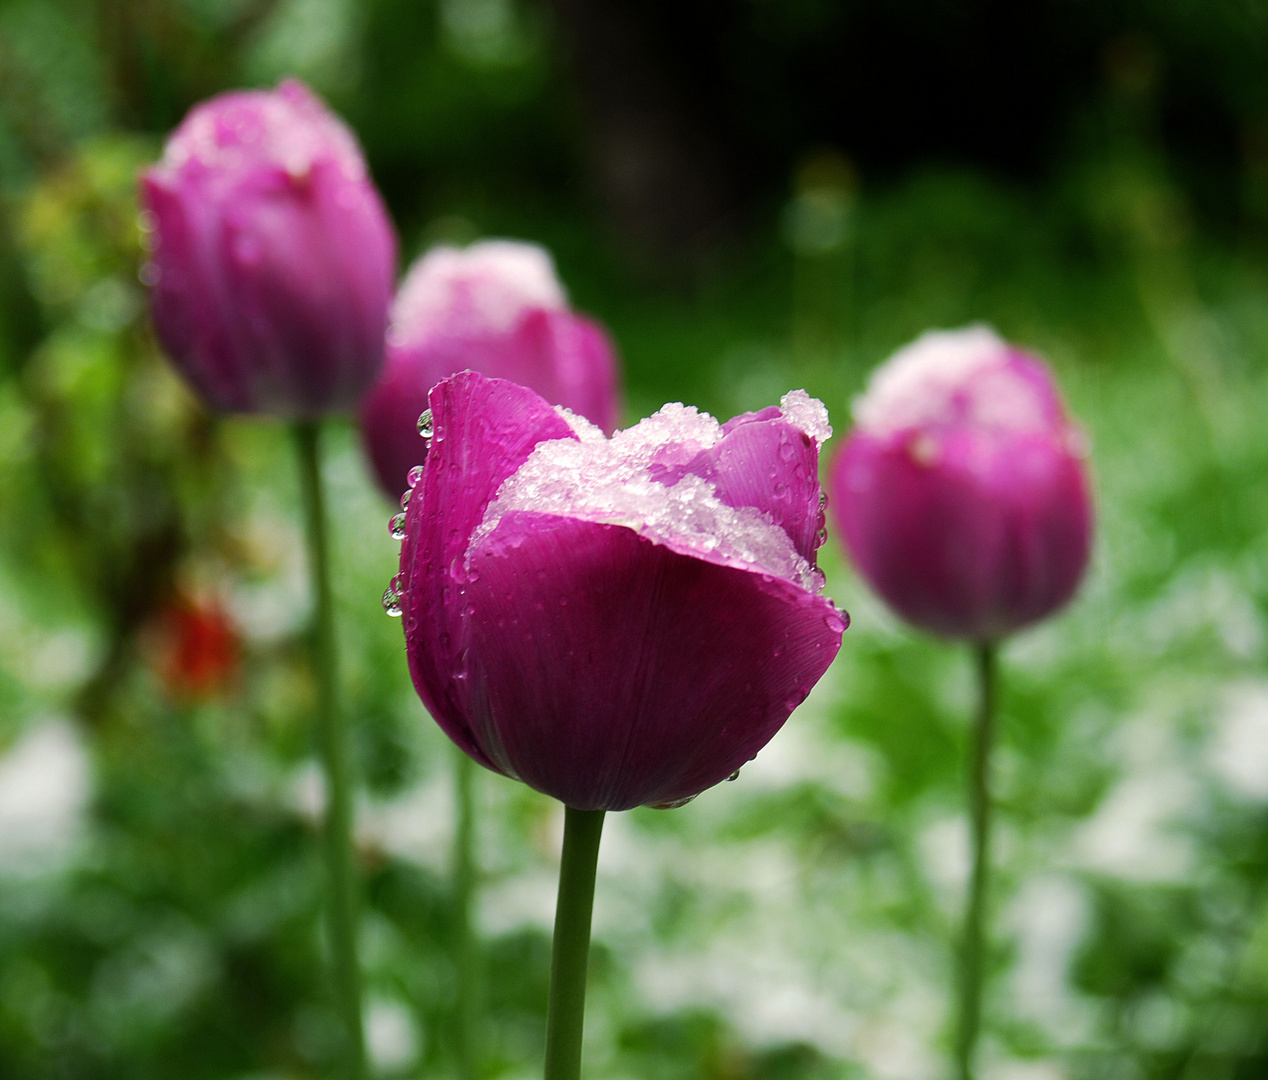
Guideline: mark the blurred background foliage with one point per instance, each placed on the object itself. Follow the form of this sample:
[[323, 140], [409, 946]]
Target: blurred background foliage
[[754, 195]]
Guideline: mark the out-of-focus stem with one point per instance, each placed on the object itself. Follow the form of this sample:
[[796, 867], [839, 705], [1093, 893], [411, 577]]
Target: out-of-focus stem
[[332, 739], [565, 1015], [466, 954], [973, 943]]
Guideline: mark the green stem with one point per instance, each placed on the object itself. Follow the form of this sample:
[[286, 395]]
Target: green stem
[[565, 1014], [332, 738], [466, 959], [972, 946]]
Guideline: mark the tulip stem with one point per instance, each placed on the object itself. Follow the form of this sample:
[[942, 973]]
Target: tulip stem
[[465, 953], [972, 945], [565, 1014], [332, 739]]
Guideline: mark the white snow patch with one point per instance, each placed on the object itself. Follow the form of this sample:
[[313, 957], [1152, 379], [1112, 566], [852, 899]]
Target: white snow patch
[[807, 413], [484, 288], [949, 375], [609, 481]]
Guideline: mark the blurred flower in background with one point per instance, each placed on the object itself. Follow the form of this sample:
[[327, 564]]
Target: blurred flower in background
[[495, 307], [962, 492], [273, 256], [194, 647]]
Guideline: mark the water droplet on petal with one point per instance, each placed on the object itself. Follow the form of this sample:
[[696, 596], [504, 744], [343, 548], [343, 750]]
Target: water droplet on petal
[[405, 500], [414, 476], [425, 428], [397, 527], [734, 776], [672, 805], [392, 602]]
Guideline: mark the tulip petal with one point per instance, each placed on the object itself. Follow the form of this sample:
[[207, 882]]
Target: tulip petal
[[484, 430], [981, 542], [616, 672], [773, 466]]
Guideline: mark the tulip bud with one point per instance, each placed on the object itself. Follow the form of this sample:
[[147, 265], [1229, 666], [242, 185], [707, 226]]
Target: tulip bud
[[495, 307], [273, 256], [962, 493], [616, 622]]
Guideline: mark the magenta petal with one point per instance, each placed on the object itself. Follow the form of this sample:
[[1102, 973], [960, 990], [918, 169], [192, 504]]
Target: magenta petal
[[773, 466], [987, 539], [614, 672], [771, 412], [583, 364], [189, 299], [484, 430]]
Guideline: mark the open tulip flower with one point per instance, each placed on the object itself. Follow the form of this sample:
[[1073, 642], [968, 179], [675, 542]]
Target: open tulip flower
[[963, 497], [615, 622], [495, 307], [273, 257]]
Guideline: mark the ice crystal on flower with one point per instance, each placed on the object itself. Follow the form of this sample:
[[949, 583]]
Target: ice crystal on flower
[[581, 427], [807, 413], [611, 482]]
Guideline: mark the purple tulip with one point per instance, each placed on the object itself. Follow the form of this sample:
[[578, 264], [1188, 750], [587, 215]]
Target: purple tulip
[[274, 257], [615, 622], [495, 307], [962, 493]]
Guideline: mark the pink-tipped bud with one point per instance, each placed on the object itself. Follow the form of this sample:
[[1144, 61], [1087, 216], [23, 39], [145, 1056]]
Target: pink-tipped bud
[[273, 256], [962, 493], [495, 307]]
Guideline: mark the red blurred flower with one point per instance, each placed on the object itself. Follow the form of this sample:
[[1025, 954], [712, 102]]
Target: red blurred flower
[[196, 648]]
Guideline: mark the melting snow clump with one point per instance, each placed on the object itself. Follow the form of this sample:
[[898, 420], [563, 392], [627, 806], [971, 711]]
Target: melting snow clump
[[610, 482]]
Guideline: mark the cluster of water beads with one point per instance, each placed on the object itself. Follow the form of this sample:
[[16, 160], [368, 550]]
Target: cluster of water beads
[[396, 526]]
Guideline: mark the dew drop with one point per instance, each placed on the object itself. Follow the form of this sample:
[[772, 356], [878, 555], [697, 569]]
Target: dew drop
[[405, 499], [414, 476], [392, 602], [425, 428], [397, 526], [734, 776], [672, 805]]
